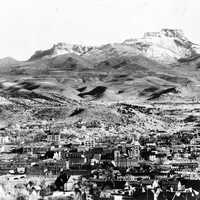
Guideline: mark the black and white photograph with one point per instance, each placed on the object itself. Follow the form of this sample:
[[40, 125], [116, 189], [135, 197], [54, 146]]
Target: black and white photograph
[[99, 100]]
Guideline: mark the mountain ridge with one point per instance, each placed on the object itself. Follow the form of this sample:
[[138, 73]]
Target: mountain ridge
[[166, 46], [126, 70]]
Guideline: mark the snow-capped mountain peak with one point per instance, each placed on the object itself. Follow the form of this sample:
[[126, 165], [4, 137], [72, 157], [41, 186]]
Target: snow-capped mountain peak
[[168, 45]]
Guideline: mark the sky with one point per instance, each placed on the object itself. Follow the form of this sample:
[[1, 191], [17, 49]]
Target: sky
[[30, 25]]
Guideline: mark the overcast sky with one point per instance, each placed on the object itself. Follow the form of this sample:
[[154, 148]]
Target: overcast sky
[[29, 25]]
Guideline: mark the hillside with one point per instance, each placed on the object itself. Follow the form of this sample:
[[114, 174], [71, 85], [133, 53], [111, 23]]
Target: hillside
[[76, 83]]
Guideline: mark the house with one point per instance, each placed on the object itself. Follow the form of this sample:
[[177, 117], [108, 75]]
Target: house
[[96, 159], [73, 179]]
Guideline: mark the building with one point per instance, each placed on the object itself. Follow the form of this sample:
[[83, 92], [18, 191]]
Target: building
[[4, 139], [75, 159], [135, 151], [53, 137], [90, 143], [126, 163]]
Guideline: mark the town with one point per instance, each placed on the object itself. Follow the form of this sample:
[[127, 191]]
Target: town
[[58, 161]]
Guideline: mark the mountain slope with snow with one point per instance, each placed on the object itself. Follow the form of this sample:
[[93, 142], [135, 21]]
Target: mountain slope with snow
[[166, 46]]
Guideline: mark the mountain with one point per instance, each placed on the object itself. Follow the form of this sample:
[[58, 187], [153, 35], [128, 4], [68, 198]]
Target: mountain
[[141, 69], [166, 46], [75, 82], [59, 49]]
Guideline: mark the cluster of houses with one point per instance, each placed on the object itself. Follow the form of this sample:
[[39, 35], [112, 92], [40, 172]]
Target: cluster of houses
[[97, 155]]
